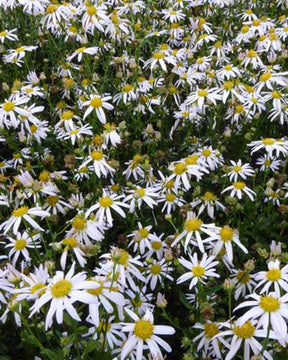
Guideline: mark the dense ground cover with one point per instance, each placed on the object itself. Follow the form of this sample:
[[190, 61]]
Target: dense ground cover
[[143, 179]]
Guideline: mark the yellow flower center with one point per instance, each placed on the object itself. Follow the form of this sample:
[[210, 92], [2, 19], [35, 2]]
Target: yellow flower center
[[268, 141], [67, 115], [96, 102], [273, 274], [143, 329], [79, 224], [170, 197], [23, 210], [97, 291], [158, 55], [52, 200], [173, 90], [143, 233], [245, 29], [83, 169], [228, 67], [156, 245], [209, 196], [91, 10], [106, 202], [218, 45], [210, 329], [74, 132], [192, 160], [38, 286], [193, 224], [155, 269], [169, 185], [269, 303], [276, 95], [239, 109], [51, 9], [79, 50], [104, 327], [61, 288], [243, 277], [8, 106], [163, 46], [140, 193], [266, 76], [239, 185], [256, 22], [202, 93], [71, 242], [198, 271], [124, 257], [115, 187], [252, 53], [180, 168], [226, 234], [44, 176], [33, 128], [20, 244], [96, 155], [3, 33], [127, 88], [206, 152], [228, 85], [245, 331], [237, 168]]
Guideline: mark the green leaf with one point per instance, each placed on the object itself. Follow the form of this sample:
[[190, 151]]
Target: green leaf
[[91, 345], [52, 355]]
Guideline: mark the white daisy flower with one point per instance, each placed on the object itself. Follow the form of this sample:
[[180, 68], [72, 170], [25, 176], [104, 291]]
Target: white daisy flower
[[144, 332], [73, 244], [83, 50], [10, 111], [238, 188], [104, 295], [198, 270], [104, 206], [193, 227], [244, 282], [239, 169], [271, 146], [120, 263], [270, 310], [157, 271], [100, 164], [276, 277], [98, 103], [63, 290], [243, 334], [225, 236], [20, 246], [20, 214]]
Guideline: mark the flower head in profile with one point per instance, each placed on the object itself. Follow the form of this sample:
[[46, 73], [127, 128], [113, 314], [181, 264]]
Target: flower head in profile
[[238, 188], [23, 213], [143, 332]]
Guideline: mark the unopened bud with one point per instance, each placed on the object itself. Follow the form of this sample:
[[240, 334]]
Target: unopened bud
[[161, 302]]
